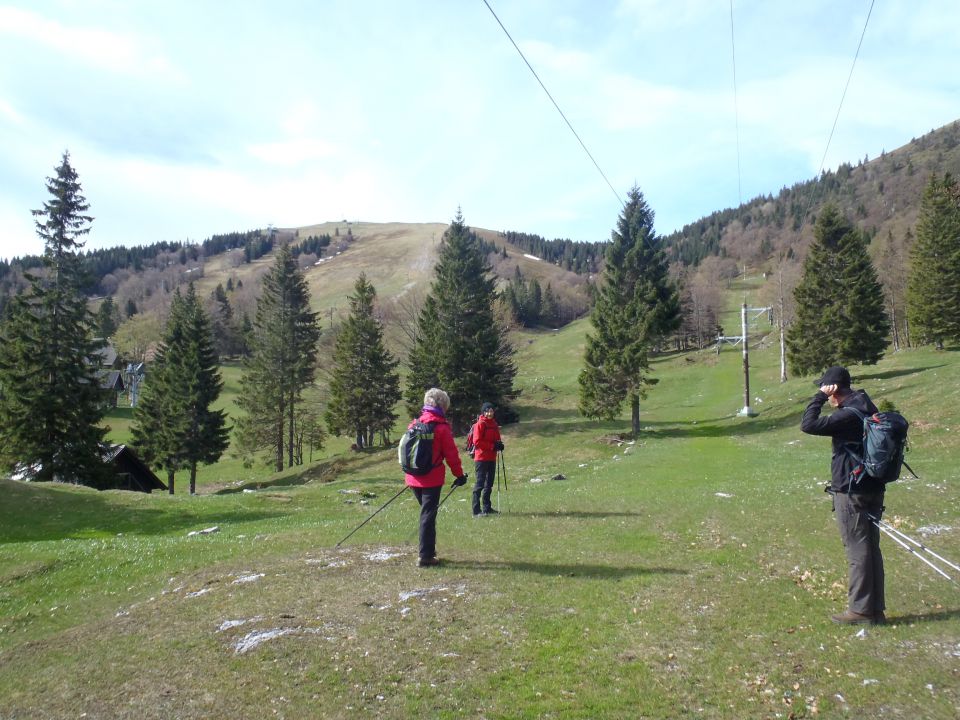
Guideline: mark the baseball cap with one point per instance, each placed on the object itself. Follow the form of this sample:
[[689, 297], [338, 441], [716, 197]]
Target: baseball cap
[[836, 375]]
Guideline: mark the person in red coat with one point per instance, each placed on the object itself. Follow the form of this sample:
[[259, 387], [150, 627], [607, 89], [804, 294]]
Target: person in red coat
[[486, 441], [426, 488]]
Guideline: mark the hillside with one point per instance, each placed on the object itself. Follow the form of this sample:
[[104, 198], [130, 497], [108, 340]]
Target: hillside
[[882, 195]]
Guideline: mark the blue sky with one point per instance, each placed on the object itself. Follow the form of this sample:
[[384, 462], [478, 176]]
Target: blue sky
[[186, 119]]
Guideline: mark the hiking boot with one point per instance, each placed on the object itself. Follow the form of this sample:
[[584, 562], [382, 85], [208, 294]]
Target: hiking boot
[[880, 619], [491, 511], [850, 617], [428, 562], [479, 514]]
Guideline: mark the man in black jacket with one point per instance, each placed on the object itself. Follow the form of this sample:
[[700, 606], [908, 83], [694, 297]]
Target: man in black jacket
[[856, 496]]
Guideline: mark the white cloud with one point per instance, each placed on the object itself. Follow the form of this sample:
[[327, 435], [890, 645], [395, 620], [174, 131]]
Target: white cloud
[[123, 54]]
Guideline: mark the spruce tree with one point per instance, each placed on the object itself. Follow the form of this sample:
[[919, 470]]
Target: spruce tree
[[933, 286], [637, 305], [174, 425], [460, 346], [365, 385], [51, 405], [106, 322], [839, 317], [158, 419], [281, 364]]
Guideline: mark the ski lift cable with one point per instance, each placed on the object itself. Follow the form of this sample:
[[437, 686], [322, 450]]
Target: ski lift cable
[[569, 125], [736, 109], [845, 88]]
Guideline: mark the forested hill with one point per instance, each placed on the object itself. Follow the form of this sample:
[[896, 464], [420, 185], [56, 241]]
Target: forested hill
[[882, 195]]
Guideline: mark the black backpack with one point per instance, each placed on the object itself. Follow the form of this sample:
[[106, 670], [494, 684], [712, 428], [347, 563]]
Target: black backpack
[[884, 443], [416, 449], [471, 448]]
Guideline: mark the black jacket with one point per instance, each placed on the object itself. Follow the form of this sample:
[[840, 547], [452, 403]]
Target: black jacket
[[846, 429]]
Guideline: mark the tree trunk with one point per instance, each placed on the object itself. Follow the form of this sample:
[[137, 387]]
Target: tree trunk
[[290, 431], [783, 338], [635, 414], [193, 477], [170, 475], [281, 415]]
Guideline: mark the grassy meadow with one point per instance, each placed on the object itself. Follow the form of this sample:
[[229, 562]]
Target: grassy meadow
[[688, 574]]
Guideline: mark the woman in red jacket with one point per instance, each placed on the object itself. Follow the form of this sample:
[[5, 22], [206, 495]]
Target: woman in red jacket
[[486, 441], [426, 488]]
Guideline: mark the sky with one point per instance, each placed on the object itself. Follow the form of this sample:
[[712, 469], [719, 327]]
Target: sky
[[186, 119]]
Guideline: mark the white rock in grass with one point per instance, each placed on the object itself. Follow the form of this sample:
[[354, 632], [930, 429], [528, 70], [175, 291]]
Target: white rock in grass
[[723, 495]]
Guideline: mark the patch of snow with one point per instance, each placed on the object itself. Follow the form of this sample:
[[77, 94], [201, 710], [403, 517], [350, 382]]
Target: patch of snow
[[205, 531], [870, 681], [251, 640], [723, 495], [531, 257], [327, 563], [198, 593], [404, 596], [227, 624], [933, 529], [536, 480], [248, 578], [382, 556]]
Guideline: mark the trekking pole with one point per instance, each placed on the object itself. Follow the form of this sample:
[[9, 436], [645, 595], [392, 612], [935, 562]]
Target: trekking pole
[[372, 516], [503, 466], [883, 524], [890, 532]]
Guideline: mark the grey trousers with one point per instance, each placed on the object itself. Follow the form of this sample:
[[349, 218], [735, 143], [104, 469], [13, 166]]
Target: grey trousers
[[861, 541]]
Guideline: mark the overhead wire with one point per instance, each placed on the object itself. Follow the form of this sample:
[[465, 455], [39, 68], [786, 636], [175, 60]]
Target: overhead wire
[[736, 109], [845, 88], [569, 125]]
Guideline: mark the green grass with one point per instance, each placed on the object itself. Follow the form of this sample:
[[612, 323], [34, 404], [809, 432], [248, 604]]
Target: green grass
[[689, 574]]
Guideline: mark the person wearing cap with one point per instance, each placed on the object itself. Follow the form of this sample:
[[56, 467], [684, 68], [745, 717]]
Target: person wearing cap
[[426, 488], [486, 441], [858, 505]]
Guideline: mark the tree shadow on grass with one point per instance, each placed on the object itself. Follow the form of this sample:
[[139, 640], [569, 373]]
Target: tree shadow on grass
[[923, 617], [890, 374], [603, 572], [57, 516]]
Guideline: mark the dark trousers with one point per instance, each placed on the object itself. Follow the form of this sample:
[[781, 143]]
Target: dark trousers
[[485, 471], [861, 541], [429, 499]]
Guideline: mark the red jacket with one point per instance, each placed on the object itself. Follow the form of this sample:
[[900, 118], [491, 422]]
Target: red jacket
[[485, 436], [444, 449]]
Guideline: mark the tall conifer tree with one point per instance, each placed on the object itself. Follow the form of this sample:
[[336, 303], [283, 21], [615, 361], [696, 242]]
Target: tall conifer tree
[[460, 345], [840, 317], [365, 385], [158, 420], [636, 306], [281, 364], [174, 425], [50, 399], [933, 287]]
